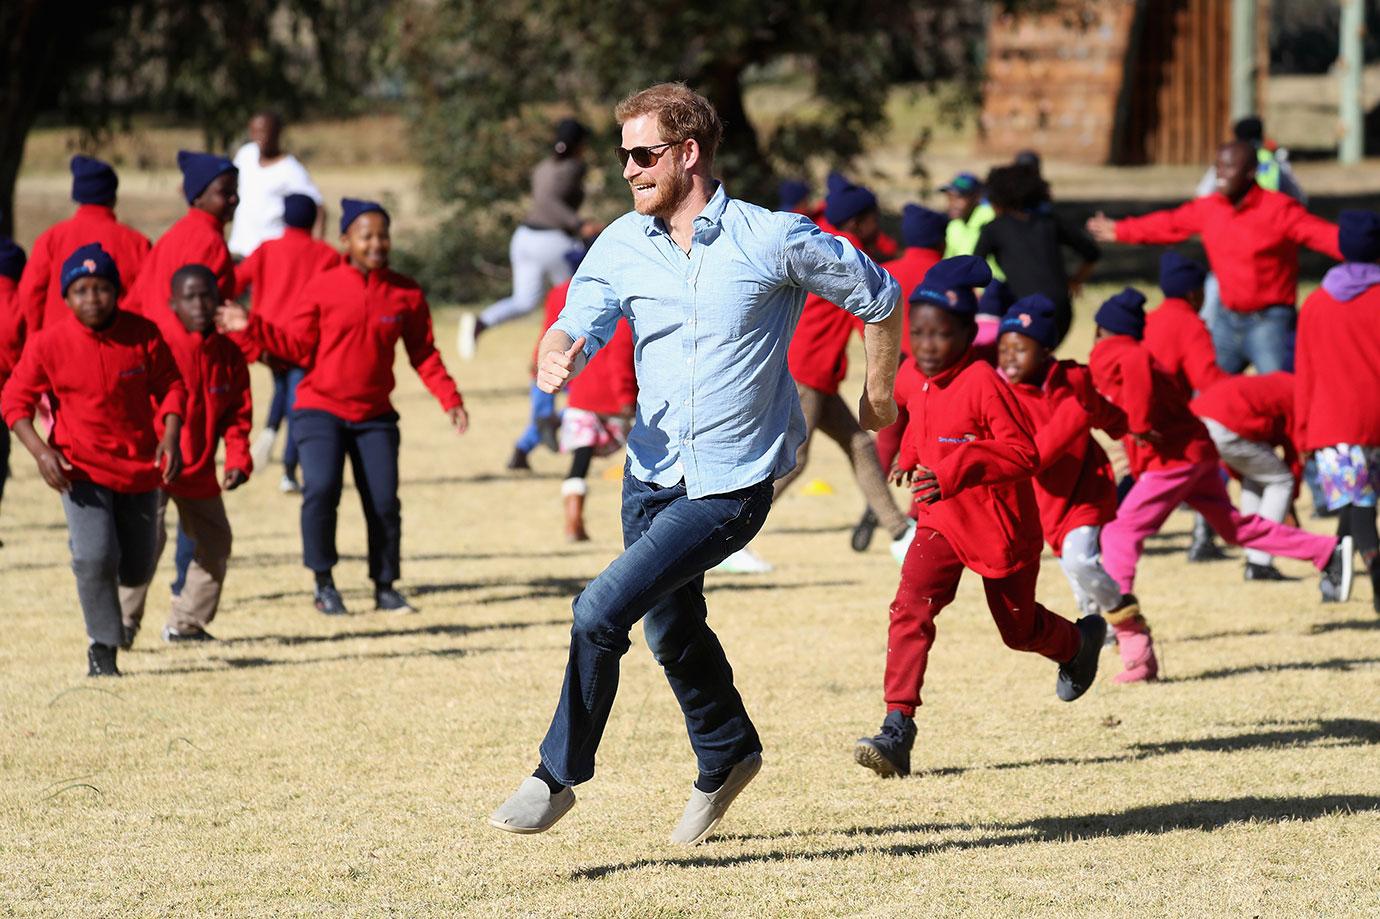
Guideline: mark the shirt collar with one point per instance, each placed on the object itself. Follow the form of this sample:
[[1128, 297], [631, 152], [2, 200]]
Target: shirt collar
[[711, 215]]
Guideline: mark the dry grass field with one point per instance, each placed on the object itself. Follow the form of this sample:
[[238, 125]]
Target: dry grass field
[[310, 766]]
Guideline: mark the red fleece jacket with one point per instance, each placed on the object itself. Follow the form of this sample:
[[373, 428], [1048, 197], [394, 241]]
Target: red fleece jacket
[[277, 271], [1075, 486], [106, 388], [196, 239], [1179, 341], [11, 324], [1125, 373], [1253, 245], [608, 384], [909, 270], [818, 355], [218, 405], [967, 426], [1258, 407], [345, 330], [1337, 371]]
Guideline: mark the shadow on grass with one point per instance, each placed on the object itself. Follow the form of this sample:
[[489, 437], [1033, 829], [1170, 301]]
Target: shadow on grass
[[1201, 815], [809, 530], [221, 664], [484, 478], [1226, 633], [454, 630], [1358, 625], [1343, 664]]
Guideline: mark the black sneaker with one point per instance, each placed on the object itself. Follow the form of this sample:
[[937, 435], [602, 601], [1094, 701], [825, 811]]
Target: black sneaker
[[1077, 675], [100, 660], [1256, 572], [548, 429], [518, 462], [127, 636], [390, 600], [888, 753], [1335, 585], [172, 636], [1206, 550], [862, 533], [329, 601]]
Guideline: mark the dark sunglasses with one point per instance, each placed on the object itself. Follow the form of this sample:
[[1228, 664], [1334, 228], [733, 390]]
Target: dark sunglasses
[[644, 157]]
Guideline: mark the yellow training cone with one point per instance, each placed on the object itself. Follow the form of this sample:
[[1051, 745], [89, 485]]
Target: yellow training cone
[[818, 487]]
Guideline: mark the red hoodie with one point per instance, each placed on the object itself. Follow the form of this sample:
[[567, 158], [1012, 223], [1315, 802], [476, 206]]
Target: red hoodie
[[1075, 486], [11, 325], [1337, 370], [345, 330], [967, 426], [909, 270], [106, 388], [608, 384], [1125, 373], [1253, 245], [1258, 407], [196, 239], [818, 354], [40, 287], [218, 405], [277, 271], [1179, 341]]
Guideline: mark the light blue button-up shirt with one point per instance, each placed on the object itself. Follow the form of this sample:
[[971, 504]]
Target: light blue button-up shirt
[[716, 404]]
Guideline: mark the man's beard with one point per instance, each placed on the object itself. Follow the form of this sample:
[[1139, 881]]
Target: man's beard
[[671, 190]]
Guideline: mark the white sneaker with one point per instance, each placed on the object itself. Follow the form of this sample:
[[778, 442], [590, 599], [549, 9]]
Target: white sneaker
[[288, 485], [261, 451], [901, 545], [466, 339], [744, 561]]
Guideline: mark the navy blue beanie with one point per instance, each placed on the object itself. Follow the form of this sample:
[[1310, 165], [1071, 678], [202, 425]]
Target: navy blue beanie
[[1123, 313], [1033, 317], [90, 259], [1180, 276], [1358, 235], [949, 284], [351, 209], [93, 182], [12, 258], [790, 193], [843, 204], [996, 299], [199, 170], [299, 211], [834, 182], [922, 228]]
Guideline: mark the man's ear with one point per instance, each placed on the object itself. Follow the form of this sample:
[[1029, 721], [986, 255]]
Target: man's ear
[[694, 154]]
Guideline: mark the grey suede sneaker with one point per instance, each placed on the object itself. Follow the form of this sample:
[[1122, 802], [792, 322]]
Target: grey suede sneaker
[[704, 810], [532, 808]]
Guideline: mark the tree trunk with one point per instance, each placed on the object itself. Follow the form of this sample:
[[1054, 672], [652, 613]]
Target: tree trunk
[[29, 31], [739, 162]]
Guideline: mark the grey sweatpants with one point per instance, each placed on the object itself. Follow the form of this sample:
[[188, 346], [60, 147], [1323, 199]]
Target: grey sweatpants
[[113, 538], [1267, 482], [538, 258], [1081, 558]]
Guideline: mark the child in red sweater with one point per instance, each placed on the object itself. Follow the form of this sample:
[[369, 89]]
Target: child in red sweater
[[1075, 488], [218, 407], [968, 454], [544, 421], [275, 272], [1337, 410], [1174, 461], [599, 412], [111, 379], [345, 328], [11, 267]]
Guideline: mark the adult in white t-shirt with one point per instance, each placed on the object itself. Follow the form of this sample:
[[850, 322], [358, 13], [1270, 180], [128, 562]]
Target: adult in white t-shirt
[[267, 176]]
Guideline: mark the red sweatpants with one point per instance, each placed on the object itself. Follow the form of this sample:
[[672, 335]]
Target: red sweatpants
[[929, 580]]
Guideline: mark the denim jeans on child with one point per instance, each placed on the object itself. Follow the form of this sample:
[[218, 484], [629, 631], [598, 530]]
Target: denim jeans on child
[[1263, 339]]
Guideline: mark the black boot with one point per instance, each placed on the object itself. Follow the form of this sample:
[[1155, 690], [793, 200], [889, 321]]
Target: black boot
[[100, 660], [888, 753], [1204, 547], [1075, 676], [1256, 572], [862, 533]]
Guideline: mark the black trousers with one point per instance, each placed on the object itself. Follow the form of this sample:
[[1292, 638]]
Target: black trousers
[[323, 442]]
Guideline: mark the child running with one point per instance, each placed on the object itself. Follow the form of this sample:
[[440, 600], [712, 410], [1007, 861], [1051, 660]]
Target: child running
[[1337, 409], [968, 454], [599, 412], [275, 272], [218, 407], [345, 328], [544, 422], [1075, 488], [111, 378], [1174, 461]]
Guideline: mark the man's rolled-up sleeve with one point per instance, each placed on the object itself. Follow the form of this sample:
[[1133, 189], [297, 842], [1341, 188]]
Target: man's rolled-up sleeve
[[838, 271], [592, 309]]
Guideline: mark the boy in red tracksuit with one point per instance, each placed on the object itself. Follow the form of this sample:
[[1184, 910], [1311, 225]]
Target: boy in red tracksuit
[[94, 185], [11, 267], [818, 361], [1174, 461], [1337, 411], [218, 406], [1248, 417], [599, 411], [1175, 335], [111, 378], [211, 186], [345, 329], [275, 272], [968, 453], [1075, 488]]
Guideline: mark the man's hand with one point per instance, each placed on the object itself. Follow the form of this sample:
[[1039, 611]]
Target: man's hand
[[234, 478], [924, 484], [231, 317], [53, 466], [873, 416], [1102, 228], [168, 456], [558, 366], [459, 419]]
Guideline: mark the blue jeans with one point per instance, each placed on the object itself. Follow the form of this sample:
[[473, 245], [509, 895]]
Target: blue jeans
[[280, 408], [182, 560], [543, 406], [1263, 339], [670, 542]]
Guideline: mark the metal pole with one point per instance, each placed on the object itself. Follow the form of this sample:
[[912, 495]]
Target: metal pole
[[1349, 66], [1243, 58]]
